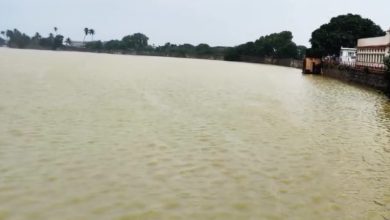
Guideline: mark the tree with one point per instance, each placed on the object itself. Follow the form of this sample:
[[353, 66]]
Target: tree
[[36, 39], [301, 52], [17, 39], [184, 50], [3, 33], [86, 32], [276, 45], [37, 36], [58, 42], [2, 42], [342, 31], [203, 49], [91, 32], [387, 62], [47, 42], [387, 76], [136, 41], [113, 45], [9, 34], [94, 45], [68, 41]]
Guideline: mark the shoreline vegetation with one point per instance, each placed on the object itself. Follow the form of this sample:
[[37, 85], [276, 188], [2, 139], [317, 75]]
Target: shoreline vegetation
[[276, 48], [273, 46]]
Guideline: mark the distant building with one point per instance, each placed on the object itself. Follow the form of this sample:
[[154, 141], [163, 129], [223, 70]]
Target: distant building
[[78, 44], [348, 56], [371, 51]]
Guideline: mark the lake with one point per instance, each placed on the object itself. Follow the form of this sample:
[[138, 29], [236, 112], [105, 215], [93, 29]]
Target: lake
[[98, 136]]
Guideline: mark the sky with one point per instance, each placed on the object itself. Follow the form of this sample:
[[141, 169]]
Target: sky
[[215, 22]]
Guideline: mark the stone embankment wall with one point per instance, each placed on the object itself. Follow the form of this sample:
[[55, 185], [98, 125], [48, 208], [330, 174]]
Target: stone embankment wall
[[280, 62], [374, 80]]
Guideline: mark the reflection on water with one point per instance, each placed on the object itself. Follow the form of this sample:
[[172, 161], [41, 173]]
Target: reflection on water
[[92, 136]]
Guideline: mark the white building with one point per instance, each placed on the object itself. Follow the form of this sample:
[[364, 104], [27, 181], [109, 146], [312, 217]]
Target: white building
[[371, 51], [348, 56]]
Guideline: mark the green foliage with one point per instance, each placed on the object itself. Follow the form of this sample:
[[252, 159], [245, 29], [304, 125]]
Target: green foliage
[[175, 50], [17, 39], [342, 31], [113, 45], [301, 52], [91, 32], [36, 39], [68, 41], [188, 50], [51, 42], [86, 32], [387, 64], [2, 41], [233, 54], [203, 49], [136, 42], [58, 42], [47, 42], [94, 45], [276, 45]]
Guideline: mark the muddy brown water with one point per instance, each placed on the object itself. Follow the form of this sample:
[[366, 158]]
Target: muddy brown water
[[97, 136]]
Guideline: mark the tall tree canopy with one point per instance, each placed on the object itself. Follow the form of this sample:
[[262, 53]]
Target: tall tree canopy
[[86, 32], [17, 39], [276, 45], [342, 31], [136, 41]]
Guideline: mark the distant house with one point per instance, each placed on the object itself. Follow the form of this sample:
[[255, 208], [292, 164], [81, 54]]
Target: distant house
[[348, 56], [371, 51], [78, 44]]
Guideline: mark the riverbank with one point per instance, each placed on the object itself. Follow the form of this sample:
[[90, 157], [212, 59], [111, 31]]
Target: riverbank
[[373, 80], [287, 62]]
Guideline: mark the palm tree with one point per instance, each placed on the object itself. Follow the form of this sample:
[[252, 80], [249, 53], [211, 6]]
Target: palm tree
[[68, 41], [37, 35], [55, 30], [86, 31], [9, 34], [91, 32], [3, 33]]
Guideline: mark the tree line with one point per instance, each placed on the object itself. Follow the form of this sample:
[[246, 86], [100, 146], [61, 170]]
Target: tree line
[[134, 44], [340, 31], [275, 46], [138, 43], [17, 39]]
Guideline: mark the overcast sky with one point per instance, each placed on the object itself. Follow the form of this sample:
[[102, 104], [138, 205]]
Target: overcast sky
[[216, 22]]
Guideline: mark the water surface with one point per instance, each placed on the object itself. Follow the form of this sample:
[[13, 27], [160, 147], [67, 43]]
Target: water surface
[[95, 136]]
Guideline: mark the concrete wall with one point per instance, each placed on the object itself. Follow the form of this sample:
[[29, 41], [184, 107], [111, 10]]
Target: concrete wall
[[280, 62], [374, 80]]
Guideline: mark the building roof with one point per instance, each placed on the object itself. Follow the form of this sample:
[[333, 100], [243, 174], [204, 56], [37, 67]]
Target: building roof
[[375, 41], [347, 48], [77, 43]]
